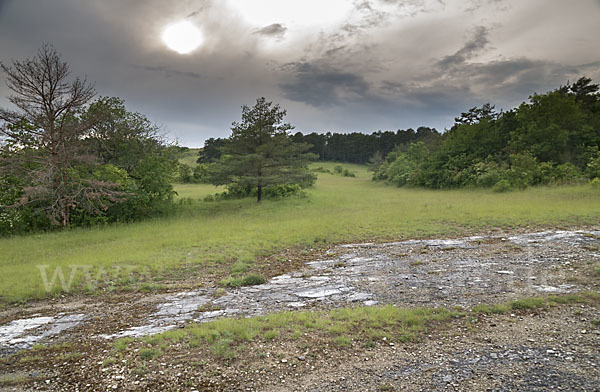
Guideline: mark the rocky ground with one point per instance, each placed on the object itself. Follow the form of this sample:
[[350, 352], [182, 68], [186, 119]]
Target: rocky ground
[[555, 348]]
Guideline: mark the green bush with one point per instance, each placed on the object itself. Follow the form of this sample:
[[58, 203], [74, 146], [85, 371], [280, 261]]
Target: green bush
[[338, 169], [502, 186], [348, 173], [249, 280], [275, 192]]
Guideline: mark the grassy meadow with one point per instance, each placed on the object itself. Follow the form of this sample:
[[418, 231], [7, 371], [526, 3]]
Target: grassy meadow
[[189, 157], [229, 235]]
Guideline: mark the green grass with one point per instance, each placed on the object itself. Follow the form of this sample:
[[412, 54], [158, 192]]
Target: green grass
[[248, 280], [228, 337], [207, 236], [224, 336], [189, 157], [196, 191], [13, 379], [536, 303]]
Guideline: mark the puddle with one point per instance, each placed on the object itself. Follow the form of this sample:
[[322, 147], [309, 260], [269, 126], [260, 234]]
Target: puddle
[[453, 272]]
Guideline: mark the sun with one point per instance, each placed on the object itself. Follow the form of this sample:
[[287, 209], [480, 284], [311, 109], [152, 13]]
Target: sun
[[182, 37]]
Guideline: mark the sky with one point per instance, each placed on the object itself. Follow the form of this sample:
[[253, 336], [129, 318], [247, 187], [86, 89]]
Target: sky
[[334, 65]]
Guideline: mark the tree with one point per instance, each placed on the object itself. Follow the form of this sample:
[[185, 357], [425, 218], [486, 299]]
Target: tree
[[42, 140], [260, 152], [130, 141], [475, 114], [211, 151]]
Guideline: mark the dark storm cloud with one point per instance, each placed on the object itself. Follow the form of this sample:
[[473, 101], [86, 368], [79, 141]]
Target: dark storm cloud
[[2, 5], [322, 85], [275, 30], [473, 46], [513, 78], [386, 64]]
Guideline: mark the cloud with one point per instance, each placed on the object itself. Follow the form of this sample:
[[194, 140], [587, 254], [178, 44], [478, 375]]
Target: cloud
[[3, 4], [384, 64], [475, 5], [322, 85], [473, 46], [275, 30]]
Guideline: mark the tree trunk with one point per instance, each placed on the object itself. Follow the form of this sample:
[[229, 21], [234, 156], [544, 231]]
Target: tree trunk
[[259, 193]]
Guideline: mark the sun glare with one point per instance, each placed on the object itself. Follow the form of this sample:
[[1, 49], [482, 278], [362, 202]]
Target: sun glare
[[182, 37]]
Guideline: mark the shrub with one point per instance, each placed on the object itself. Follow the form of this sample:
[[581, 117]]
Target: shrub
[[275, 192], [338, 169], [348, 173], [320, 169], [502, 186], [249, 280]]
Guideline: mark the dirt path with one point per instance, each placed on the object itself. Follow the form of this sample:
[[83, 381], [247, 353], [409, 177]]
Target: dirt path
[[458, 272]]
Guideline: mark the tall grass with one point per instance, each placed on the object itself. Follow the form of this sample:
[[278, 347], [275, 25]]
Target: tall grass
[[204, 235]]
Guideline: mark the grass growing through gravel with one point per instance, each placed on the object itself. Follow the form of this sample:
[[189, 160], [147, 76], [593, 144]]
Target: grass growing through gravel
[[536, 303], [341, 326], [215, 236], [227, 338]]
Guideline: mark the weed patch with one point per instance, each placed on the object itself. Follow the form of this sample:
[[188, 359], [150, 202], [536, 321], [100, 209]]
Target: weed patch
[[249, 280]]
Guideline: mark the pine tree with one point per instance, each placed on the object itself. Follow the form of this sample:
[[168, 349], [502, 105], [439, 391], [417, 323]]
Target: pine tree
[[260, 152]]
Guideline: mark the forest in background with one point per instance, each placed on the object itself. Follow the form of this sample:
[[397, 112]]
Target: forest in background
[[552, 138]]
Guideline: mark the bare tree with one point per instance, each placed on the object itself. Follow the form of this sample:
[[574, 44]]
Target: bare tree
[[42, 139]]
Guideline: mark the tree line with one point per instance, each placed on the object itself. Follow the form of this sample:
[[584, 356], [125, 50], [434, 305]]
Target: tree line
[[553, 138], [352, 147]]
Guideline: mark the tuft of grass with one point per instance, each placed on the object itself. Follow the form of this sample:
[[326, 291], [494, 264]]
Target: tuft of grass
[[239, 267], [13, 379], [342, 341], [528, 303], [271, 334], [491, 309], [536, 303], [249, 280], [148, 353], [122, 344], [30, 358], [66, 357], [108, 361]]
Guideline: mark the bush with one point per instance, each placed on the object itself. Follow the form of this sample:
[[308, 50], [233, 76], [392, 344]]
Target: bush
[[338, 169], [275, 192], [592, 169], [185, 174], [320, 169], [278, 192], [595, 183], [348, 173], [502, 186]]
